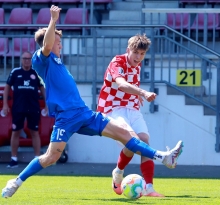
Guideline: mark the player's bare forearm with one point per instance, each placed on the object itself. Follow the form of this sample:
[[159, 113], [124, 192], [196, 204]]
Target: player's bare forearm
[[49, 37]]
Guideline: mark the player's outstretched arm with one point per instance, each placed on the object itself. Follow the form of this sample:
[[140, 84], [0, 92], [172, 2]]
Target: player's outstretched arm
[[131, 89], [49, 37]]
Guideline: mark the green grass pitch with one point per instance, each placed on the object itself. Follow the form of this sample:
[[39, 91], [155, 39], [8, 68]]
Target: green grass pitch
[[68, 190]]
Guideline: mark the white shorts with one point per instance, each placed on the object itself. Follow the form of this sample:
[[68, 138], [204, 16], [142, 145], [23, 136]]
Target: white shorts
[[131, 117]]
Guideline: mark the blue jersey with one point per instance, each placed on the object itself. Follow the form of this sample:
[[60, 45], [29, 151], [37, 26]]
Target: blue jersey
[[61, 91]]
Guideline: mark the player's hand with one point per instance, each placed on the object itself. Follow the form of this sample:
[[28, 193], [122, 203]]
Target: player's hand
[[55, 12], [149, 96], [141, 100], [5, 110]]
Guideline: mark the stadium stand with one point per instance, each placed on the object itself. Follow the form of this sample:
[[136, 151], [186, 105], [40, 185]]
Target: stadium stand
[[20, 45], [75, 16], [2, 19], [2, 16], [183, 3], [212, 21], [3, 46], [20, 16], [43, 17], [45, 127], [178, 21]]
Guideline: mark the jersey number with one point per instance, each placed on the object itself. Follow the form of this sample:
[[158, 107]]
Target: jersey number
[[60, 132]]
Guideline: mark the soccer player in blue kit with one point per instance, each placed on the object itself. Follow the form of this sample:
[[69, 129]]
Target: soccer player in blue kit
[[71, 113]]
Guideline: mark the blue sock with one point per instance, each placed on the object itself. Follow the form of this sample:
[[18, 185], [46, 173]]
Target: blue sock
[[33, 167], [136, 145]]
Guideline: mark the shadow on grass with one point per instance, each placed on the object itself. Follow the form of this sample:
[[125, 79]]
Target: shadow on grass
[[127, 201], [188, 196]]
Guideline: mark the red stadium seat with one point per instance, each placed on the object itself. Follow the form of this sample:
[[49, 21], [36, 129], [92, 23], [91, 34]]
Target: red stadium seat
[[212, 21], [3, 46], [75, 16], [20, 45], [2, 16], [44, 16], [177, 21], [20, 16]]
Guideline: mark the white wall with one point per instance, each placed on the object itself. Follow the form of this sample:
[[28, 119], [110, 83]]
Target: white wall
[[173, 122]]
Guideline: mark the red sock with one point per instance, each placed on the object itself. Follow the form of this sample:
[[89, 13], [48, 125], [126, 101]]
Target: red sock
[[147, 169], [123, 160]]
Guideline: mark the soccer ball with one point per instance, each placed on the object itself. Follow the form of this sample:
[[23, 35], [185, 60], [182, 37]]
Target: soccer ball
[[133, 186]]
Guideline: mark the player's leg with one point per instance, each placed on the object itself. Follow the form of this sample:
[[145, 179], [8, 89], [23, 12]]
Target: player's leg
[[147, 165], [147, 170], [17, 126], [53, 153], [33, 120], [120, 114], [117, 174], [134, 144], [97, 124]]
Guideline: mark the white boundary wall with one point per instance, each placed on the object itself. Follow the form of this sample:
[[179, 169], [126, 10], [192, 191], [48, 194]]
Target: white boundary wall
[[173, 122]]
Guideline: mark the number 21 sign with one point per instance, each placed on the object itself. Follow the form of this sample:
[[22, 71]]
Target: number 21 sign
[[188, 78]]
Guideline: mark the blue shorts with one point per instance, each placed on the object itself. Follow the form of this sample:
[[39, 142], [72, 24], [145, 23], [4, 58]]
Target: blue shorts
[[82, 120]]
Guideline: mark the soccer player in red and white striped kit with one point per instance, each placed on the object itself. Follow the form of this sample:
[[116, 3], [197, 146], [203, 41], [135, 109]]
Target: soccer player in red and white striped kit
[[120, 98]]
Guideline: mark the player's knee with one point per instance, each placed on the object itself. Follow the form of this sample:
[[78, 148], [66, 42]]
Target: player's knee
[[144, 137], [47, 160]]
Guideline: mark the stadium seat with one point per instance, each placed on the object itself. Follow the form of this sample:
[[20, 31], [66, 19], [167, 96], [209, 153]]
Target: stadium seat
[[2, 16], [3, 46], [43, 16], [20, 45], [178, 21], [212, 21], [20, 16], [75, 16]]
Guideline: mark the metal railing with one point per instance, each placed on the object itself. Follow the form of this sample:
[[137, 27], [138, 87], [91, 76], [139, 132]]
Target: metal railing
[[88, 56]]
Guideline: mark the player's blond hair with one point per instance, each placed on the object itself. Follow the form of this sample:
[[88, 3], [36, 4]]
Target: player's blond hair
[[139, 42], [40, 33]]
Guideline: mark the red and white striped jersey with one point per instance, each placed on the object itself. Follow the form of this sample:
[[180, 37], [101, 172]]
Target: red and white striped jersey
[[110, 95]]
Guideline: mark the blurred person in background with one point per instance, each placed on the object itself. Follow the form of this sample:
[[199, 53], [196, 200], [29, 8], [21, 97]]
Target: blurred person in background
[[25, 84]]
